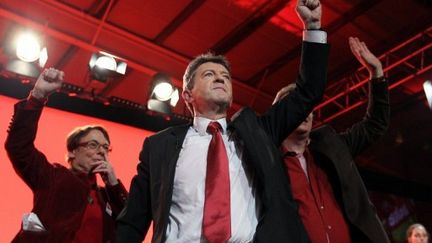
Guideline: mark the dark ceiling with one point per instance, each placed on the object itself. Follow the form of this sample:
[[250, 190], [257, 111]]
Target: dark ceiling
[[262, 40]]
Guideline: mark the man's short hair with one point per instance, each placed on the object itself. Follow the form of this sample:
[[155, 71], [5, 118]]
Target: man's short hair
[[74, 137], [190, 71], [284, 92]]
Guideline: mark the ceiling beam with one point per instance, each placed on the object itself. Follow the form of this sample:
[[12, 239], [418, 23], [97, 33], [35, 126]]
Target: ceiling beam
[[128, 36], [107, 10], [67, 38], [330, 29], [100, 10], [177, 21], [66, 57], [261, 16]]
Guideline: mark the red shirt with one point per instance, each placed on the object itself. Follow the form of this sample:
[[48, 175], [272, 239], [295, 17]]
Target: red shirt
[[318, 208], [91, 229]]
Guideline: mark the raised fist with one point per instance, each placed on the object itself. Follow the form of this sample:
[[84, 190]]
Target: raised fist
[[48, 81], [309, 12]]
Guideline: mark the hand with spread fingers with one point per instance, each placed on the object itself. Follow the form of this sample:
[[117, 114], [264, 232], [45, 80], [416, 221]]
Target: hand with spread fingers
[[309, 12]]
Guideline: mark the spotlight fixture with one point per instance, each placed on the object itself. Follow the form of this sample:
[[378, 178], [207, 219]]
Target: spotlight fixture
[[104, 67], [30, 56], [163, 95], [28, 49], [427, 86], [105, 61]]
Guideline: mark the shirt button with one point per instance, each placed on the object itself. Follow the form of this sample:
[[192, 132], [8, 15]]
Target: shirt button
[[329, 227], [322, 207]]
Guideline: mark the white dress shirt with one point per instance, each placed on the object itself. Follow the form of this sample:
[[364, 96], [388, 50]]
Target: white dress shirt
[[186, 212]]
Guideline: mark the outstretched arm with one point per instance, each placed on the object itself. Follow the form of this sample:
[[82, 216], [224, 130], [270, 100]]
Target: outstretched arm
[[376, 120], [287, 114], [366, 58], [29, 163]]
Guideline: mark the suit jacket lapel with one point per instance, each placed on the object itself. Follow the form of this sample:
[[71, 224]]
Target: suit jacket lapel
[[173, 148]]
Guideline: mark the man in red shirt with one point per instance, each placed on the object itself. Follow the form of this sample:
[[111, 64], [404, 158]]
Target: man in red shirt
[[333, 203], [68, 204]]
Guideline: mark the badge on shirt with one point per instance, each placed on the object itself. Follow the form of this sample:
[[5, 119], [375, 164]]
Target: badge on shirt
[[108, 209]]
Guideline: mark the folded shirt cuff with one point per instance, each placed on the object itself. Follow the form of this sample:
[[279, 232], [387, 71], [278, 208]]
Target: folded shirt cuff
[[316, 36]]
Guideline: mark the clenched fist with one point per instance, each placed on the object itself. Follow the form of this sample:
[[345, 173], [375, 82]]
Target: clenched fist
[[48, 81], [309, 12]]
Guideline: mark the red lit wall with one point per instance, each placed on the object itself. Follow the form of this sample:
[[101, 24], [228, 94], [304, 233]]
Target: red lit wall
[[16, 198]]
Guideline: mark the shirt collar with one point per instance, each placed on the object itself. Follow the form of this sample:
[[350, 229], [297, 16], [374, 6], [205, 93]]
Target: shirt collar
[[200, 124], [288, 153], [86, 178]]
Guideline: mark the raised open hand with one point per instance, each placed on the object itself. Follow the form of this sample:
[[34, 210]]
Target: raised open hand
[[366, 58]]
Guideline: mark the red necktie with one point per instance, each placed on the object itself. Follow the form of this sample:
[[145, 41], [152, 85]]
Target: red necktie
[[217, 221]]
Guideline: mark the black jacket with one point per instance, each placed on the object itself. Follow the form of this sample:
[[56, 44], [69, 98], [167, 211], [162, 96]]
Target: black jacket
[[335, 151], [151, 189]]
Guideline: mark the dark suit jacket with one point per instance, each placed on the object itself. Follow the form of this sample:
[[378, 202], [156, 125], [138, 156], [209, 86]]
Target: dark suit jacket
[[151, 189], [60, 196], [335, 151]]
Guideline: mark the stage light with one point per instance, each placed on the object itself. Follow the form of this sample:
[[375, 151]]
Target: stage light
[[121, 67], [28, 47], [104, 68], [163, 91], [174, 98], [427, 86], [104, 61], [163, 95], [26, 55], [43, 57]]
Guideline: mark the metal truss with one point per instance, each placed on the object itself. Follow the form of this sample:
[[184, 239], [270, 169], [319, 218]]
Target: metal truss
[[402, 64]]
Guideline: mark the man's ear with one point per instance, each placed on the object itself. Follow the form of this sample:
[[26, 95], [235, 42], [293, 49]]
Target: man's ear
[[187, 96]]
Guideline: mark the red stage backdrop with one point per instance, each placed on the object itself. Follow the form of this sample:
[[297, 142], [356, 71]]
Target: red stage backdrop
[[16, 197]]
